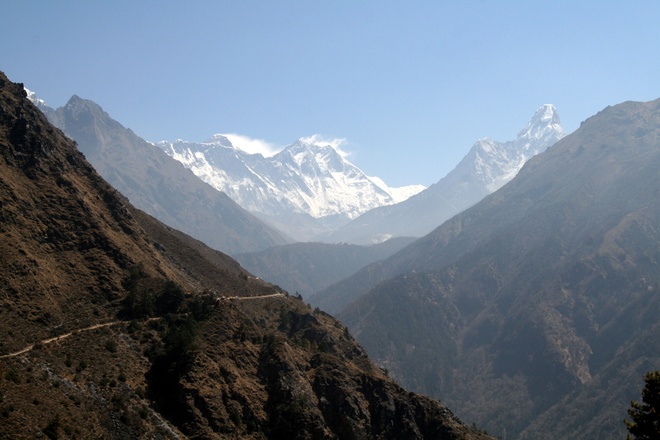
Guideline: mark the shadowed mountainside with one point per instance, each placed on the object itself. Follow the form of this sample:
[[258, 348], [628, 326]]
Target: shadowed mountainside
[[535, 312]]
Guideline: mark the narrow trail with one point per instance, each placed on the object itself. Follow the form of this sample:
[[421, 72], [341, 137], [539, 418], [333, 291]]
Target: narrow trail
[[272, 295], [60, 337], [244, 298], [108, 324]]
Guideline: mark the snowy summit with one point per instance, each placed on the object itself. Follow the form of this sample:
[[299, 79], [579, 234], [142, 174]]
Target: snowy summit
[[488, 165], [310, 180], [495, 163]]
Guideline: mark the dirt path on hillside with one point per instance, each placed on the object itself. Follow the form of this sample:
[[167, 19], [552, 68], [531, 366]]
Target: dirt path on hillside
[[272, 295], [62, 336], [108, 324], [244, 298]]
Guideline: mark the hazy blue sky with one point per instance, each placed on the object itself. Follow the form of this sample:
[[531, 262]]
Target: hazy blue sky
[[410, 85]]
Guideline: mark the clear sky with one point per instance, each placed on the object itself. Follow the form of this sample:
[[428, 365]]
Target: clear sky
[[408, 85]]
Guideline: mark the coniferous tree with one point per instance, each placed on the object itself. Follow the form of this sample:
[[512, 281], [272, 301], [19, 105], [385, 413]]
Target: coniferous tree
[[645, 424]]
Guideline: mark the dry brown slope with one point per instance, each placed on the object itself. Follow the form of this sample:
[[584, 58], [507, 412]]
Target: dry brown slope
[[67, 237], [74, 254]]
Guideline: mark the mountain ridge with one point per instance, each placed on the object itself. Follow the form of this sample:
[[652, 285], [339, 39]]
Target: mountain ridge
[[485, 168], [156, 183], [541, 300]]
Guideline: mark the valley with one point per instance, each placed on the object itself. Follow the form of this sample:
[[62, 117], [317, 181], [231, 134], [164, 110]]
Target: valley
[[110, 327], [528, 304], [329, 220]]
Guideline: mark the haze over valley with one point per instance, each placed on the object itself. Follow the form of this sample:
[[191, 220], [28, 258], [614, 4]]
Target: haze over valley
[[525, 287], [329, 220]]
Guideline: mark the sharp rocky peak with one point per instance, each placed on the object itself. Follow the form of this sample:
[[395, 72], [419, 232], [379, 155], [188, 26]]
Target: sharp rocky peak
[[306, 144], [547, 112], [78, 107], [32, 96], [77, 101], [220, 139], [495, 163], [545, 121]]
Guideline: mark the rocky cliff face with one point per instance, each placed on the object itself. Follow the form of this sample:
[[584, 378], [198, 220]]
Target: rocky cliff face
[[113, 325]]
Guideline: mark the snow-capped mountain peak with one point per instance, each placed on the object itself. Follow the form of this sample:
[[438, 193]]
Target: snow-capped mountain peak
[[34, 98], [488, 165], [545, 122], [318, 140], [322, 156], [219, 139], [309, 178], [495, 163]]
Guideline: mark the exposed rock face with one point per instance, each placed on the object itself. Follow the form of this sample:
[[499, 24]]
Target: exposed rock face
[[113, 325]]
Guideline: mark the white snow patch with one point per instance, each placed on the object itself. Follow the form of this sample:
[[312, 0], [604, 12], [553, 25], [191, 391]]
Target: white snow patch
[[310, 177], [33, 97], [398, 194], [405, 192]]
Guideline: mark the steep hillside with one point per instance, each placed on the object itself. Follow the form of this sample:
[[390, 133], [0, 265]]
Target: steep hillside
[[159, 185], [488, 165], [306, 268], [540, 302], [114, 326]]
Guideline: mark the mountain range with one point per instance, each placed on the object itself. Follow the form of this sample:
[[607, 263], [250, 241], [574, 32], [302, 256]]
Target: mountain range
[[159, 185], [305, 190], [487, 167], [114, 325], [308, 190], [533, 313], [166, 189]]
